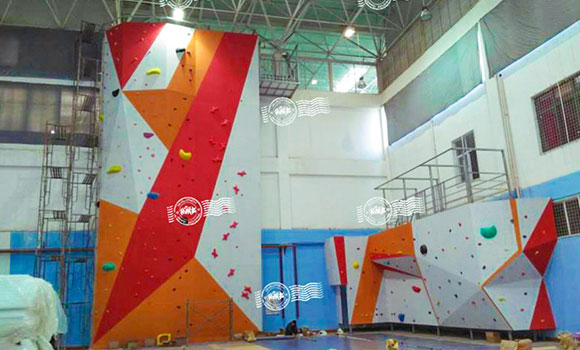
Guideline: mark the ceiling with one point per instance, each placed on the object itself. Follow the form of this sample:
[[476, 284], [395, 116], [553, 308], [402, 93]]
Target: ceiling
[[314, 25]]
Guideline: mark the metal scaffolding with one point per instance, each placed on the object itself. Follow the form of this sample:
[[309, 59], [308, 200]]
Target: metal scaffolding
[[67, 215]]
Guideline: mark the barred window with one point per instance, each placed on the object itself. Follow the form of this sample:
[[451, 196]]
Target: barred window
[[558, 113], [567, 215], [465, 153]]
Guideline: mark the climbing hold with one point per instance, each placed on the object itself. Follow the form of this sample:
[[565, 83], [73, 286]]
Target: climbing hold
[[488, 232], [401, 317], [152, 71], [152, 195], [416, 289], [217, 160], [101, 117], [114, 169], [355, 264], [225, 122], [148, 135], [423, 249], [438, 303], [246, 295], [214, 253], [211, 141], [234, 224], [222, 146], [225, 236], [214, 109], [501, 299], [109, 266], [115, 93], [236, 189], [242, 173], [231, 273], [248, 289], [184, 155]]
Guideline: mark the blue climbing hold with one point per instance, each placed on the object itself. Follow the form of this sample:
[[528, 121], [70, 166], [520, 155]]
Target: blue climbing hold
[[401, 317], [152, 195]]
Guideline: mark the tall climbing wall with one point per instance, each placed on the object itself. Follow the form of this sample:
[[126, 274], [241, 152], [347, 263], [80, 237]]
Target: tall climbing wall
[[479, 266], [179, 232]]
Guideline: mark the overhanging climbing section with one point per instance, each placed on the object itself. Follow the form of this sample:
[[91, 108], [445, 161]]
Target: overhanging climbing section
[[180, 184], [478, 266]]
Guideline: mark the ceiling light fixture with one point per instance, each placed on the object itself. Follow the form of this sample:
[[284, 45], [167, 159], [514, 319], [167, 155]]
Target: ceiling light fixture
[[425, 14], [361, 85], [314, 82], [178, 14], [349, 32]]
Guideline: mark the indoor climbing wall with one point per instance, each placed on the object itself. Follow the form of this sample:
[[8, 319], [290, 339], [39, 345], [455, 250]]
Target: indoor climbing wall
[[179, 232], [478, 266]]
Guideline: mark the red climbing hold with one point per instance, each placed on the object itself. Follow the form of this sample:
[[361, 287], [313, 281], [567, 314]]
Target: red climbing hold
[[246, 295], [214, 109], [225, 122], [236, 189], [231, 273], [416, 289], [242, 173], [225, 236], [248, 289], [222, 146], [214, 253], [211, 141], [234, 224], [217, 160]]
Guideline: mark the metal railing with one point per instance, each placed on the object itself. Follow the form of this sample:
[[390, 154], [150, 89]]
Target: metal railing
[[450, 179], [282, 67]]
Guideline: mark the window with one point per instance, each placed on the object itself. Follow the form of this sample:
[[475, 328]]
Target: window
[[465, 153], [558, 113], [567, 215]]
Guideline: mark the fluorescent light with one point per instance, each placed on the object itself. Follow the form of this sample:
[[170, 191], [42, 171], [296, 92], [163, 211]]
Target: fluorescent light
[[314, 82], [349, 32], [178, 14]]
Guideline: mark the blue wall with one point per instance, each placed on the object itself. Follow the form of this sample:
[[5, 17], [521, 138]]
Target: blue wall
[[80, 303], [311, 267], [563, 282]]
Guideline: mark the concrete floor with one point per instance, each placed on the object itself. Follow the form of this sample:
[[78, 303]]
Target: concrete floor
[[363, 341]]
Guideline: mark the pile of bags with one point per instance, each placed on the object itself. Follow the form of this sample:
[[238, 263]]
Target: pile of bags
[[30, 313]]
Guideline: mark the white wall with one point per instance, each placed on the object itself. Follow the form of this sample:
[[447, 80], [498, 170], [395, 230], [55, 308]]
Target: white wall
[[316, 171], [481, 112]]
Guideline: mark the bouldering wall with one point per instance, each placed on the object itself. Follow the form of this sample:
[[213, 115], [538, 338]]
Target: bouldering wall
[[478, 266], [179, 232]]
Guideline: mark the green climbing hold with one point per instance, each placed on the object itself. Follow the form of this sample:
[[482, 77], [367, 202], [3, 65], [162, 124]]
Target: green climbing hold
[[488, 232], [109, 266]]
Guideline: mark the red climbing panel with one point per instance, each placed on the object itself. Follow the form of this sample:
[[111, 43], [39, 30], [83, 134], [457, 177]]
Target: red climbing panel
[[341, 259], [129, 42], [158, 249], [543, 317], [543, 240]]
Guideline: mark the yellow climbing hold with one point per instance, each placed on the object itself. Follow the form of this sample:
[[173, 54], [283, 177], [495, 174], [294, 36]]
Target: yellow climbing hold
[[101, 117], [355, 264], [114, 169], [153, 71], [501, 299], [184, 155], [438, 303]]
